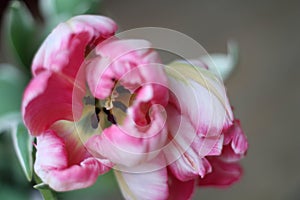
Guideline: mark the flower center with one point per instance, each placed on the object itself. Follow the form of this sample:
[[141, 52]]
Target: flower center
[[102, 113]]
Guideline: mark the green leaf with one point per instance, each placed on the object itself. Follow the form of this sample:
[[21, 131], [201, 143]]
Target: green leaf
[[21, 32], [23, 143], [48, 194], [223, 64], [55, 11], [12, 84], [75, 7]]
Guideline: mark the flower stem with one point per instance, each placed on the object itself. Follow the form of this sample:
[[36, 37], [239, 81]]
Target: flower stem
[[45, 191]]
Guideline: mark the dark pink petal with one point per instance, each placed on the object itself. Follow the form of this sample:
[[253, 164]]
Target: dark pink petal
[[223, 174], [180, 190], [208, 146], [65, 48], [53, 168], [228, 155], [186, 168], [236, 136], [48, 98], [152, 185]]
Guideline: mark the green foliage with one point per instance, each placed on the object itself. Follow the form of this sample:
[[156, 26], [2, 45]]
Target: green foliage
[[12, 84], [76, 7], [23, 147], [13, 184], [56, 11], [223, 64], [22, 33]]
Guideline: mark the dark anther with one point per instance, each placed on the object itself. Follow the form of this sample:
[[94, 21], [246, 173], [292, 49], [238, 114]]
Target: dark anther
[[97, 111], [94, 120], [110, 117], [89, 100], [122, 90], [120, 105]]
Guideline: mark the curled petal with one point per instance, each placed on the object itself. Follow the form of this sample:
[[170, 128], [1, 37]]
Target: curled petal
[[65, 48], [186, 163], [223, 174], [133, 62], [228, 155], [208, 146], [188, 168], [207, 106], [49, 98], [236, 136], [136, 144], [53, 168]]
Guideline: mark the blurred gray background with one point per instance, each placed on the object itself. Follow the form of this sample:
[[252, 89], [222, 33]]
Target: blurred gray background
[[264, 89]]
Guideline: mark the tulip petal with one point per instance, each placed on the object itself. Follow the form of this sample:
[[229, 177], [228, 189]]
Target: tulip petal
[[207, 106], [53, 167], [132, 62], [144, 186], [223, 174], [188, 163], [48, 98], [180, 190], [65, 48], [136, 144], [237, 137]]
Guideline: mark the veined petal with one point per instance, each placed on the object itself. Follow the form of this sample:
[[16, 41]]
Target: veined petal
[[208, 146], [48, 98], [51, 152], [64, 49], [207, 106], [53, 168], [223, 174], [75, 177], [151, 185], [186, 163], [188, 168]]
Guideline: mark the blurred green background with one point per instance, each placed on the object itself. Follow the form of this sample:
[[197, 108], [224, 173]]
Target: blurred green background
[[264, 89]]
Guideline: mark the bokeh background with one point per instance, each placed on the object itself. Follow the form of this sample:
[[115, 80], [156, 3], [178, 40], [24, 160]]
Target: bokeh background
[[264, 89]]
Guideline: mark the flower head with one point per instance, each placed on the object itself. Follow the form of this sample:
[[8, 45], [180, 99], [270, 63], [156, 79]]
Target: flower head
[[97, 102]]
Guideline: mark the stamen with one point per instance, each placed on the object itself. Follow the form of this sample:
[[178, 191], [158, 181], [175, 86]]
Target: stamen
[[121, 90], [88, 100], [95, 118], [110, 117], [108, 104], [120, 105]]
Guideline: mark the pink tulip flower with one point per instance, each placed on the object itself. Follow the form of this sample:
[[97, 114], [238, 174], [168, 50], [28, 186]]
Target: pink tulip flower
[[98, 103]]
